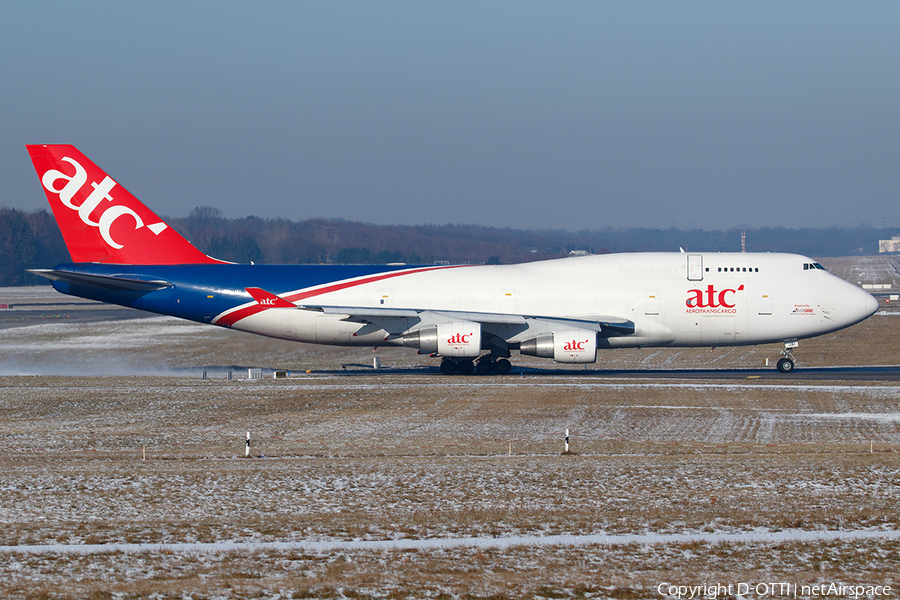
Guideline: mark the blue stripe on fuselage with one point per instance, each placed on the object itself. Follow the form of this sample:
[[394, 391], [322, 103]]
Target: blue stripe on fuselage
[[200, 292]]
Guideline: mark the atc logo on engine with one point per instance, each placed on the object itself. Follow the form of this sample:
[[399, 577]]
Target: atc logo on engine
[[459, 339], [575, 346]]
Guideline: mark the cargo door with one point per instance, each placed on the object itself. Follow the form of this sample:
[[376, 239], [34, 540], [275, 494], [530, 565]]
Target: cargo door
[[717, 330]]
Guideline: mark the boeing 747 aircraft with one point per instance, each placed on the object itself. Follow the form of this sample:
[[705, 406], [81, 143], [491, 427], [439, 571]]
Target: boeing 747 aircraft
[[472, 317]]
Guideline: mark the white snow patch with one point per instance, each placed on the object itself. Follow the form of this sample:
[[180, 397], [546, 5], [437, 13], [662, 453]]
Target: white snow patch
[[881, 417], [794, 535]]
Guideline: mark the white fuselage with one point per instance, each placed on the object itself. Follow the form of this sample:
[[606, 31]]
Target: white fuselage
[[673, 299]]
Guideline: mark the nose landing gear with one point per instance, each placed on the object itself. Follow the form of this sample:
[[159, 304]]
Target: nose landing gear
[[786, 363]]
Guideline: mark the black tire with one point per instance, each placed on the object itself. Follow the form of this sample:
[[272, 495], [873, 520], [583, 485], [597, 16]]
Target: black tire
[[484, 367], [502, 366], [785, 365], [465, 367], [448, 367]]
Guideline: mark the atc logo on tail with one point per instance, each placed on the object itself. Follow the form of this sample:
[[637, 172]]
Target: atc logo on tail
[[89, 207], [73, 185]]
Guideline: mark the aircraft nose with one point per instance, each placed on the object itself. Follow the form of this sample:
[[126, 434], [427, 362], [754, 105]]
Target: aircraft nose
[[856, 304], [871, 304]]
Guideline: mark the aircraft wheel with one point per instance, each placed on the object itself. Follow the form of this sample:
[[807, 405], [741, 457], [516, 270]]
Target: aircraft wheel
[[502, 366], [448, 367], [466, 367], [484, 367], [785, 365]]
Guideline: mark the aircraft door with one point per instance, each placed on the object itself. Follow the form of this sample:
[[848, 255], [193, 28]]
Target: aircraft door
[[695, 267], [290, 329], [508, 304], [651, 302], [765, 302], [716, 330], [385, 298]]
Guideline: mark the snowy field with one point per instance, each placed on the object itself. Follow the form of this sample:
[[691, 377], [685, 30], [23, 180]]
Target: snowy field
[[123, 472], [882, 269]]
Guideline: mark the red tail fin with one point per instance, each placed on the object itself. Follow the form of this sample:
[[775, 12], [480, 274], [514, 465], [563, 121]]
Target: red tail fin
[[100, 221]]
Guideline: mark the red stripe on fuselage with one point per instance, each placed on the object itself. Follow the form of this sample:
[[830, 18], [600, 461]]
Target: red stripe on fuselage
[[228, 319]]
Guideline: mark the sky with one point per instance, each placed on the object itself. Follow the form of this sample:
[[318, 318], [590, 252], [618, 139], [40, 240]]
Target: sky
[[536, 115]]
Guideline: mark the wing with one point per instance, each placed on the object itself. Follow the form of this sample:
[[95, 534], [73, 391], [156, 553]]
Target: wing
[[500, 330], [391, 319]]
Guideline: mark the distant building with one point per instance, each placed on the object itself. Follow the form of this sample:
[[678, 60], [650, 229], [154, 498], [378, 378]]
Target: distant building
[[891, 245]]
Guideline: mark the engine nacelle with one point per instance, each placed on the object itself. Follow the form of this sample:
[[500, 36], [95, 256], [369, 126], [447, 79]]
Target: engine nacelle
[[578, 346], [457, 339]]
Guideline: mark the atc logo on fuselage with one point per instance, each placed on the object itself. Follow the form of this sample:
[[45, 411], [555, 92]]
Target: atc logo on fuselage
[[712, 301]]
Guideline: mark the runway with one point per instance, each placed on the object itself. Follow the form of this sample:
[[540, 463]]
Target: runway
[[23, 318], [884, 373]]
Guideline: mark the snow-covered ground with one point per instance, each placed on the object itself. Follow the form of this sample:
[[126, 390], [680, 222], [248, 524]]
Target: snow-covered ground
[[417, 485]]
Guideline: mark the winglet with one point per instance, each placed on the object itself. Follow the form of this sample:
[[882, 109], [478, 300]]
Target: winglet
[[268, 299]]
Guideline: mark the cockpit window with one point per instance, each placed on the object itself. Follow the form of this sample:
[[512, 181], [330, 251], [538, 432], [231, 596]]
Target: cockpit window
[[813, 266], [818, 266]]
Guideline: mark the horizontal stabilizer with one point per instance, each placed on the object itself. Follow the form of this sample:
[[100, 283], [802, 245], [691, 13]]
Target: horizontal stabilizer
[[116, 283]]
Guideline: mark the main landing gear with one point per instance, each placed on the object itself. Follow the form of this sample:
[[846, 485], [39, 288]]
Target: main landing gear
[[486, 365], [786, 363]]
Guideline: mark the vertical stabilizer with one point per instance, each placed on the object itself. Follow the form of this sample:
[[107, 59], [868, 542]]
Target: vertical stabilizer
[[101, 222]]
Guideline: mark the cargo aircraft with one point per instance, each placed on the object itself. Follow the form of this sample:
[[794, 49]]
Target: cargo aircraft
[[470, 316]]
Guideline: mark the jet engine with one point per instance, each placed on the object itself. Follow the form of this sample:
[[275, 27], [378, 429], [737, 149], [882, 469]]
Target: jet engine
[[577, 346], [456, 339]]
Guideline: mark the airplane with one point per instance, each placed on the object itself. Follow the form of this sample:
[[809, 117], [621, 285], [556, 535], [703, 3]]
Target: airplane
[[472, 317]]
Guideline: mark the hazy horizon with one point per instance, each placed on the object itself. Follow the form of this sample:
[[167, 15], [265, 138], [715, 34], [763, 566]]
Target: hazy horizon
[[524, 115]]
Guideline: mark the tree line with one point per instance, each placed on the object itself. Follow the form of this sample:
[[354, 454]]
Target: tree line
[[32, 240]]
